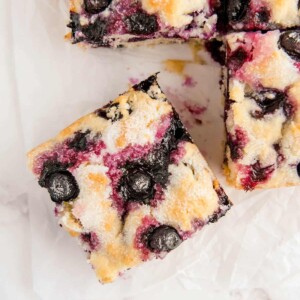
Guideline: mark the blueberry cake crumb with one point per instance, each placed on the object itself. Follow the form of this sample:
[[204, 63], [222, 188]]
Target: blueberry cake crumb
[[128, 182]]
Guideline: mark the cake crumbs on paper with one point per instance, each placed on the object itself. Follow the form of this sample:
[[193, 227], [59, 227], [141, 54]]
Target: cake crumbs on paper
[[133, 80], [196, 47], [190, 111], [178, 66], [195, 109], [189, 81]]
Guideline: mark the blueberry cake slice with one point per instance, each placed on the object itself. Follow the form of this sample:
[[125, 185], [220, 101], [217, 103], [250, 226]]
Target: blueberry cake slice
[[114, 23], [128, 182], [262, 14], [262, 113]]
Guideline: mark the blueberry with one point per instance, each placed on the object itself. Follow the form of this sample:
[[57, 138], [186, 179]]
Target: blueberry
[[137, 185], [213, 218], [223, 198], [91, 239], [236, 151], [263, 15], [237, 59], [112, 112], [217, 50], [259, 173], [96, 6], [237, 143], [142, 24], [79, 142], [145, 85], [94, 32], [175, 133], [237, 10], [49, 168], [290, 42], [74, 24], [298, 169], [163, 238], [139, 182], [62, 186], [269, 100], [220, 8]]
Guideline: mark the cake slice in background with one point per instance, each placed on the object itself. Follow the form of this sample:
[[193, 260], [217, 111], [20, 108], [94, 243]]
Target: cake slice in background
[[262, 110], [115, 23], [262, 14]]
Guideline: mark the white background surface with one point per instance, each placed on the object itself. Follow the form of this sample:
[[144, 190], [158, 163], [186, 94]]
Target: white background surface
[[45, 84]]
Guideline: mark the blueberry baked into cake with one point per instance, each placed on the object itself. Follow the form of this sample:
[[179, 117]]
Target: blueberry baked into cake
[[128, 182], [262, 113], [114, 23]]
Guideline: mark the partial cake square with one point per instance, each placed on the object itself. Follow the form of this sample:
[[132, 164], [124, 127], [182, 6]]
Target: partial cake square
[[262, 113], [262, 14], [115, 23], [128, 182]]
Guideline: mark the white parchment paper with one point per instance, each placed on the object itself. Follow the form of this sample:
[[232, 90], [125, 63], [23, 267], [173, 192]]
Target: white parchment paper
[[49, 83]]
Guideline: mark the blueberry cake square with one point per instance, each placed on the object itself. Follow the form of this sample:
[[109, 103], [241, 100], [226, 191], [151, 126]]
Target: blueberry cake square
[[262, 14], [262, 113], [128, 182], [114, 23]]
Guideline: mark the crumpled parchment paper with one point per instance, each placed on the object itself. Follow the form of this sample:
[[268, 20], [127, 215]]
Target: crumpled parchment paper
[[48, 83]]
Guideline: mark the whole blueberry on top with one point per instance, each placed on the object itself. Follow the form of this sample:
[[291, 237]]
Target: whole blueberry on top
[[142, 23], [298, 169], [290, 42], [137, 185], [96, 6], [237, 10], [62, 186], [163, 238], [139, 182]]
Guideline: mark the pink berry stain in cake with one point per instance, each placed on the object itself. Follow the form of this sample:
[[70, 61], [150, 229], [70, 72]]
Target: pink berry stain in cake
[[197, 225], [62, 153], [189, 82], [255, 50], [132, 153], [159, 195], [164, 124], [91, 240], [177, 155], [237, 142], [255, 174], [116, 18], [114, 161], [147, 224]]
